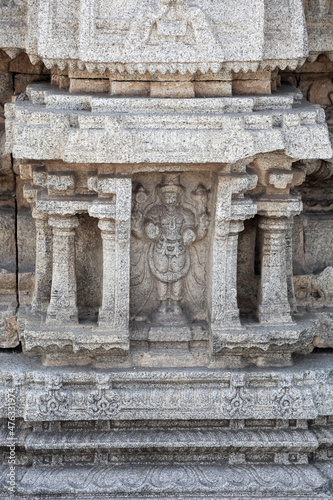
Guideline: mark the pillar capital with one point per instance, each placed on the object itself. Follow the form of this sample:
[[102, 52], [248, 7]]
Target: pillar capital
[[37, 215], [63, 221], [279, 206], [236, 226], [107, 225], [274, 224]]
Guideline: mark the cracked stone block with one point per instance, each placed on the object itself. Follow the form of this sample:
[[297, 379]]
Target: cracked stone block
[[6, 87], [7, 240], [8, 322]]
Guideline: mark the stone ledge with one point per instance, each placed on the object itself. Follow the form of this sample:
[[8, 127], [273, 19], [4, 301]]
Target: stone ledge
[[217, 481], [178, 438], [153, 131], [293, 337], [75, 338], [52, 97], [303, 391], [88, 339]]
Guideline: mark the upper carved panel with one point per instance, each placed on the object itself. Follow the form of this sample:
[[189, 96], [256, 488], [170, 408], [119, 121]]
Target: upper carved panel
[[164, 35], [319, 17]]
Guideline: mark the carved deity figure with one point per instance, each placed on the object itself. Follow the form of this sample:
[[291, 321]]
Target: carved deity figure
[[171, 229]]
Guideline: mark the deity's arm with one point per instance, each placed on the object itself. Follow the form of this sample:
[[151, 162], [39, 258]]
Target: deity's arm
[[137, 223], [203, 224], [152, 224], [189, 229]]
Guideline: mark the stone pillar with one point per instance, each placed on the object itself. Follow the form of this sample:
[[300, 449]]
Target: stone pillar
[[113, 209], [273, 304], [43, 267], [231, 313], [229, 218], [63, 308], [107, 311], [218, 276]]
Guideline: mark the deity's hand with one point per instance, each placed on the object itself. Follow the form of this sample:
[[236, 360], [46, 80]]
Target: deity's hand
[[204, 219], [152, 231], [137, 218], [189, 237]]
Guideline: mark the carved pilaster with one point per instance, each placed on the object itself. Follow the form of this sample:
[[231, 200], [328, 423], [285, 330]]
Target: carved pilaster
[[43, 268], [289, 265], [123, 238], [113, 209], [277, 208], [63, 306], [229, 218], [231, 313], [273, 304], [107, 311]]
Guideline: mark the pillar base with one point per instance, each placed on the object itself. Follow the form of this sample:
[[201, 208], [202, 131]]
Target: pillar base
[[69, 337], [106, 319], [258, 339], [63, 316], [265, 318]]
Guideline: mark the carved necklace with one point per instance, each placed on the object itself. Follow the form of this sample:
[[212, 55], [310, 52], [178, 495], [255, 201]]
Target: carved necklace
[[172, 222]]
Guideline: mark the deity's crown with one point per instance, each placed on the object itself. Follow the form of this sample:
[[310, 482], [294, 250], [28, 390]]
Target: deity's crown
[[171, 182]]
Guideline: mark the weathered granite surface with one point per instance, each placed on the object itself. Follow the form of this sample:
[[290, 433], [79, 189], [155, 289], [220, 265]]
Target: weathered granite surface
[[190, 433], [166, 252], [157, 35]]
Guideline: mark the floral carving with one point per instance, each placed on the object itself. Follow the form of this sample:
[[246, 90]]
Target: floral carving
[[286, 400], [54, 403], [239, 402], [103, 403]]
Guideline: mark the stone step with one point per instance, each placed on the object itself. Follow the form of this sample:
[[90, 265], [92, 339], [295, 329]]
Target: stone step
[[172, 439]]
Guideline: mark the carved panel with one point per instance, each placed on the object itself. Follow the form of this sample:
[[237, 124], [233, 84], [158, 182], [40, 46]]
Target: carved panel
[[161, 31], [169, 248], [318, 8], [319, 17]]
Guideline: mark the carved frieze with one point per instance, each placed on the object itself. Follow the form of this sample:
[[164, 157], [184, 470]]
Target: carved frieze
[[159, 35]]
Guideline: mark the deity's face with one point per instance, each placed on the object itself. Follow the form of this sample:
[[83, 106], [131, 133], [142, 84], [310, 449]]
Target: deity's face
[[170, 198]]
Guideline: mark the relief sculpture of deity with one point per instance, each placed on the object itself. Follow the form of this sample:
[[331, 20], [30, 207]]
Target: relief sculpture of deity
[[170, 229]]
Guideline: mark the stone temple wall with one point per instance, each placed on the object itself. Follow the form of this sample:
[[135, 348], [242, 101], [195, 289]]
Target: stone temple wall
[[166, 249]]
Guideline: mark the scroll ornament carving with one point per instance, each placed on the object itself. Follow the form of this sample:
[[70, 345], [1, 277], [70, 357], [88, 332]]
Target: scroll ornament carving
[[239, 402], [168, 228], [55, 402], [175, 478], [287, 400], [103, 403]]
